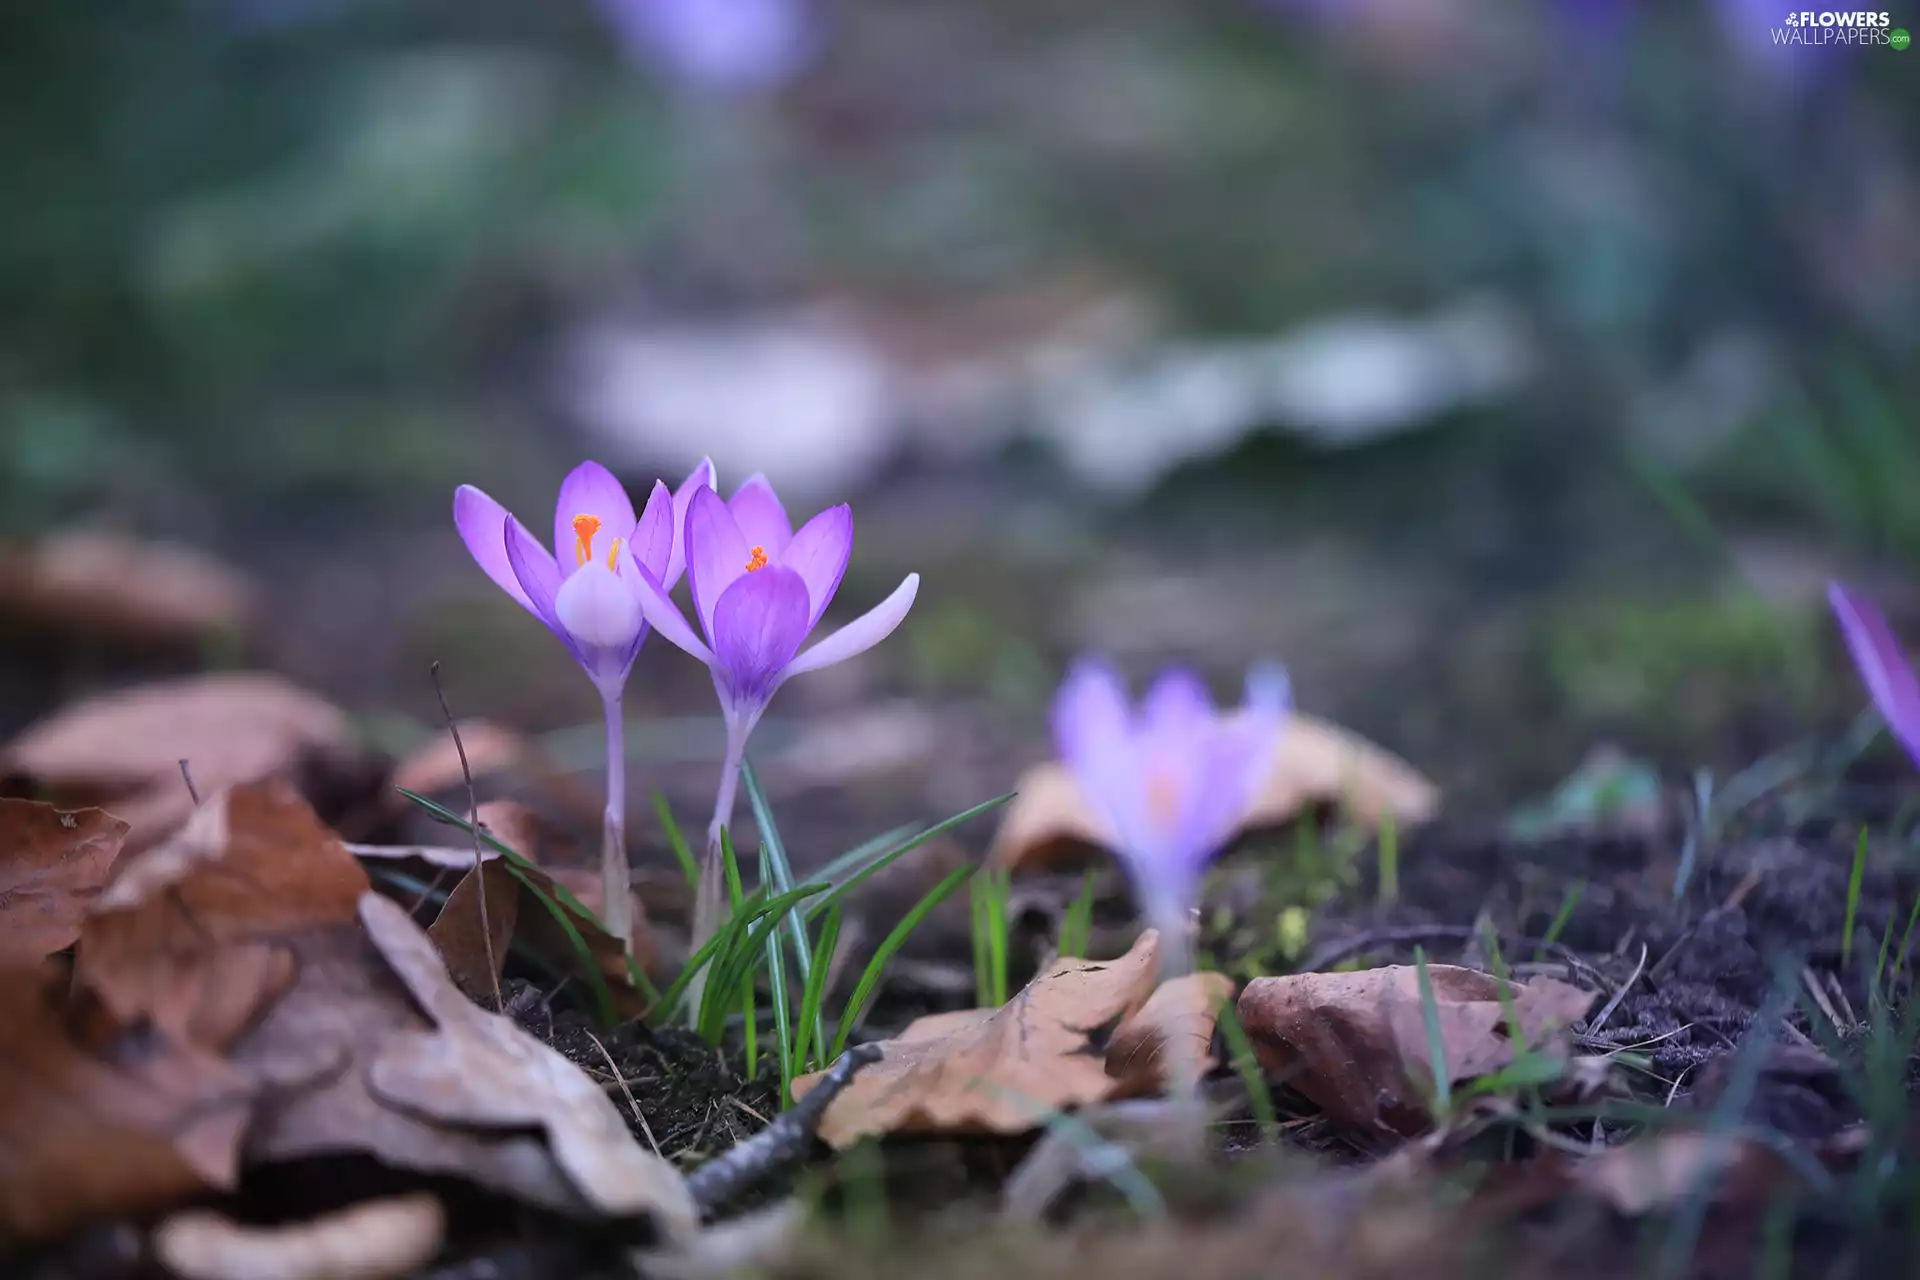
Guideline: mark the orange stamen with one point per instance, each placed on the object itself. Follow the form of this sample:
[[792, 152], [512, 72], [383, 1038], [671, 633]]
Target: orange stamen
[[1163, 797], [758, 560], [584, 527], [613, 556]]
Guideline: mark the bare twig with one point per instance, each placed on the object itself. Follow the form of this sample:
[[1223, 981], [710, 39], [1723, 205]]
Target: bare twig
[[783, 1142], [479, 872], [1593, 1028], [621, 1080], [186, 776]]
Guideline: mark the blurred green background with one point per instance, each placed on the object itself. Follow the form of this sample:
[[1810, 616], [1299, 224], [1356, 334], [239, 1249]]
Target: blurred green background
[[1515, 370]]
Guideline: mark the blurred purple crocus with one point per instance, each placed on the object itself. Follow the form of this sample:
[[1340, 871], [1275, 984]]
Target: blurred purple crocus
[[759, 590], [587, 591], [1882, 664], [718, 46], [1173, 778]]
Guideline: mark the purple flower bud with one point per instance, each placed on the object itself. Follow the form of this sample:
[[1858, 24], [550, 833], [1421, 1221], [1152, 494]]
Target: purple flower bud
[[1882, 664], [724, 46]]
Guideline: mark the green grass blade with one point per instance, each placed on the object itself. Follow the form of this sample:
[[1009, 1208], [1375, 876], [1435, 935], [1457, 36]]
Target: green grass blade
[[1436, 1044], [863, 992], [773, 855], [1853, 897], [727, 935], [814, 997], [777, 982], [675, 840], [1247, 1063], [982, 966], [1568, 902], [1076, 929], [863, 853], [1389, 844], [999, 888], [886, 859]]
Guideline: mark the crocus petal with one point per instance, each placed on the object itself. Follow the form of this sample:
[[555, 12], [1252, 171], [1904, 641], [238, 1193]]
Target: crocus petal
[[758, 625], [1882, 664], [601, 614], [653, 536], [482, 523], [540, 578], [763, 521], [1177, 706], [662, 614], [590, 490], [1090, 717], [716, 554], [702, 477], [819, 554], [860, 635]]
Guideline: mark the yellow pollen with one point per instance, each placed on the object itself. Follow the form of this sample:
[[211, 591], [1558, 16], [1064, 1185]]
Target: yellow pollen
[[584, 527], [1163, 797], [613, 556], [758, 560]]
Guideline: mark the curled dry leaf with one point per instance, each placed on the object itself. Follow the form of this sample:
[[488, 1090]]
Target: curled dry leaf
[[997, 1070], [513, 909], [1315, 763], [191, 934], [121, 1121], [122, 750], [124, 589], [1178, 1018], [52, 865], [1357, 1043], [377, 1240], [480, 1069]]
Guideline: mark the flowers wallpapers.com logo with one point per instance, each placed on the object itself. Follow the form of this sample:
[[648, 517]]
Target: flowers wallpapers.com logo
[[1840, 26]]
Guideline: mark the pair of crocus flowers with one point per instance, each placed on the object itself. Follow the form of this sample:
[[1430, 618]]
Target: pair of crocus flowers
[[759, 589]]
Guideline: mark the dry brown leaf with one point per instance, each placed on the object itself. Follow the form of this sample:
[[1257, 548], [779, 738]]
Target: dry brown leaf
[[512, 910], [1356, 1043], [1315, 763], [52, 865], [125, 1123], [1661, 1170], [342, 1009], [435, 764], [189, 933], [377, 1240], [123, 750], [124, 589], [997, 1070], [1177, 1018], [480, 1069]]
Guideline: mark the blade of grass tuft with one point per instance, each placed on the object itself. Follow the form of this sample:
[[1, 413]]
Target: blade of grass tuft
[[774, 862], [1853, 897], [814, 997], [675, 840], [863, 991], [1436, 1043], [880, 863], [1076, 929], [777, 981], [1247, 1063], [1568, 902], [1389, 844]]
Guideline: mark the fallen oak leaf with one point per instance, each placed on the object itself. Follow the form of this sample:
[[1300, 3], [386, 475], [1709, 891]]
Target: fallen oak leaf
[[123, 749], [1357, 1043], [523, 900], [125, 1122], [189, 933], [1178, 1018], [132, 590], [376, 1240], [481, 1069], [314, 1045], [52, 865], [1315, 762], [997, 1070]]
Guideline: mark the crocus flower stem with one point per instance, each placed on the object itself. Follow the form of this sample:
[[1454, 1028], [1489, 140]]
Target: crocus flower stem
[[616, 878]]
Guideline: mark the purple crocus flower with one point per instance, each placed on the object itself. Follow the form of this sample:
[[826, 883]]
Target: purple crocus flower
[[588, 592], [1172, 779], [1882, 664], [759, 590], [725, 47]]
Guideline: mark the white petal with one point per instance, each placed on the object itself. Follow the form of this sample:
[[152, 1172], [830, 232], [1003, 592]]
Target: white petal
[[597, 608]]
